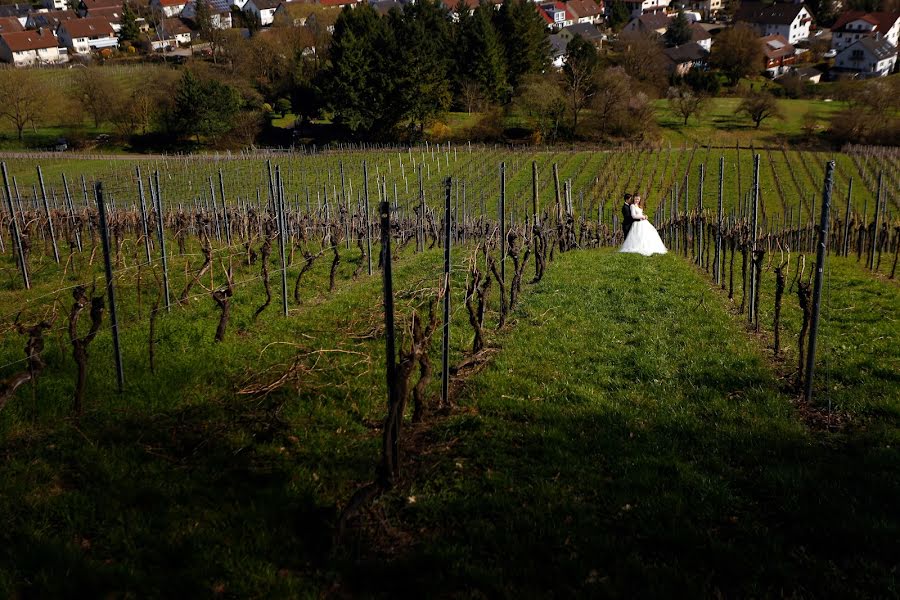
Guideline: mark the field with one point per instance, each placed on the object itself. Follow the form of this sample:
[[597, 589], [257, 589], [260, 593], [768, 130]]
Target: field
[[624, 433]]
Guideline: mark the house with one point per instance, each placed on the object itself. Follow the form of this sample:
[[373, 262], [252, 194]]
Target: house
[[558, 48], [16, 11], [791, 21], [585, 11], [49, 19], [168, 8], [263, 10], [587, 31], [779, 55], [55, 4], [649, 24], [113, 14], [219, 13], [298, 14], [86, 6], [26, 48], [636, 8], [683, 58], [558, 13], [83, 36], [868, 57], [10, 25], [174, 32], [853, 25], [450, 5], [809, 74], [701, 36], [707, 8]]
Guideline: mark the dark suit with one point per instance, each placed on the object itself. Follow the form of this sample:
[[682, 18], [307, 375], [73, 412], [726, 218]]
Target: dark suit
[[627, 219]]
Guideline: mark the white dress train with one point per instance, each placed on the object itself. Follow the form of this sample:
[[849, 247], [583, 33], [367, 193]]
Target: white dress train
[[642, 237]]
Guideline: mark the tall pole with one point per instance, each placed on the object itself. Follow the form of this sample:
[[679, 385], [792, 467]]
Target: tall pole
[[48, 215], [390, 350], [224, 208], [110, 287], [700, 217], [751, 314], [820, 271], [143, 200], [534, 213], [878, 209], [445, 342], [845, 247], [15, 228], [161, 232], [71, 206], [366, 216], [279, 211], [503, 223], [718, 261]]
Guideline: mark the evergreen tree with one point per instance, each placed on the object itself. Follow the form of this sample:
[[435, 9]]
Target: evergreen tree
[[482, 57], [619, 15], [420, 64], [525, 39], [203, 18], [204, 107], [129, 31], [679, 31], [358, 86]]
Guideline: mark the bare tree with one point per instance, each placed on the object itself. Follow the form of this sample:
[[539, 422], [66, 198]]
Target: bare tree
[[24, 98], [685, 102], [613, 89], [759, 106]]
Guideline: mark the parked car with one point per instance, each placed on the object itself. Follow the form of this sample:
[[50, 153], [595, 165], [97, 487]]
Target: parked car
[[830, 53]]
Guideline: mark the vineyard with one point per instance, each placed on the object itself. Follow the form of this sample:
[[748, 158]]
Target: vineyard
[[239, 345]]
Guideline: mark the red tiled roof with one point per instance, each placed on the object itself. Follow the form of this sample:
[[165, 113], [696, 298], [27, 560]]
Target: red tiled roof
[[92, 5], [10, 25], [88, 27], [882, 21], [776, 46], [113, 14], [583, 8], [29, 40], [172, 2], [544, 15]]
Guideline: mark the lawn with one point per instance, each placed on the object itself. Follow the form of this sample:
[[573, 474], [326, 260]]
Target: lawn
[[720, 123]]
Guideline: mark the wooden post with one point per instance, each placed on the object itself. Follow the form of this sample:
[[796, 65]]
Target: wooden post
[[751, 314], [143, 201], [224, 208], [445, 342], [390, 350], [503, 223], [874, 241], [845, 247], [279, 212], [366, 221], [17, 236]]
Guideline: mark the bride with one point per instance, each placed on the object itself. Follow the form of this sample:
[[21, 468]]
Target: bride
[[642, 237]]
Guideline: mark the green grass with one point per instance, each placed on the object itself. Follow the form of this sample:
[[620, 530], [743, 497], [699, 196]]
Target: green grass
[[720, 123], [630, 440]]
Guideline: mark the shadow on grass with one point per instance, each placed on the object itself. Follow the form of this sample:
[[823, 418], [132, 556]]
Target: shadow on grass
[[175, 504], [573, 503]]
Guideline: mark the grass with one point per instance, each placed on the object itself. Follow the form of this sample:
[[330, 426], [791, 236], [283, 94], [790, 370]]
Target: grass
[[629, 439], [720, 123]]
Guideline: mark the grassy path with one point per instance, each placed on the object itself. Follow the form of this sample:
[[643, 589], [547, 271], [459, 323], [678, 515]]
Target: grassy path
[[630, 440]]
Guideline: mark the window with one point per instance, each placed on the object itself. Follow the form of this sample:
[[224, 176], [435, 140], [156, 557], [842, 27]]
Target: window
[[857, 55]]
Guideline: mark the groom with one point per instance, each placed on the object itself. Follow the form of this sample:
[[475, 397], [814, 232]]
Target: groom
[[627, 220]]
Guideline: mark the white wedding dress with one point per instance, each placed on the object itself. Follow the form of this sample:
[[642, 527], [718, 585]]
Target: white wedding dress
[[642, 237]]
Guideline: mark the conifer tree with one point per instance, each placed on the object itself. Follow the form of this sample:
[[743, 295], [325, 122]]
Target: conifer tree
[[679, 31], [129, 31]]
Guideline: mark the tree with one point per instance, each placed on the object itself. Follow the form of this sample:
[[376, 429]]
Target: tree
[[737, 52], [358, 86], [679, 31], [420, 66], [579, 72], [759, 106], [540, 97], [204, 107], [523, 34], [24, 98], [282, 106], [129, 30], [97, 92], [619, 15], [685, 102], [642, 58], [482, 57], [614, 86], [203, 18]]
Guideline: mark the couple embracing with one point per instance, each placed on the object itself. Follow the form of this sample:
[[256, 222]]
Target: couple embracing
[[640, 236]]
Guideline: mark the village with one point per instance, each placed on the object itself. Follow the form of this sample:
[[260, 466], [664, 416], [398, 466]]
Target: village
[[858, 44]]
